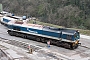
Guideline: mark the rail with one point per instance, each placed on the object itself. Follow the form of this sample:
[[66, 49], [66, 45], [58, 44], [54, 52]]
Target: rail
[[4, 55], [38, 49]]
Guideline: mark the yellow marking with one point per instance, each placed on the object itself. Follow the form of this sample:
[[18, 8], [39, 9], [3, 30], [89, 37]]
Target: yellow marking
[[75, 43]]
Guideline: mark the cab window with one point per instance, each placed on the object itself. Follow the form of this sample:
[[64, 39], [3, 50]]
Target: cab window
[[76, 36], [69, 37]]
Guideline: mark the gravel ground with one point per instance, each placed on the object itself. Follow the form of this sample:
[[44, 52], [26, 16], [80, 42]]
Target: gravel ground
[[52, 53], [42, 54]]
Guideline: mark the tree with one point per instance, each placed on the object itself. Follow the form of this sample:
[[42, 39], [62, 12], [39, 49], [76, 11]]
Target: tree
[[68, 13]]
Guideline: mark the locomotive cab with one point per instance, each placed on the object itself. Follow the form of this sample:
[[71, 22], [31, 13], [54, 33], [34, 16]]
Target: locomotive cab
[[76, 38]]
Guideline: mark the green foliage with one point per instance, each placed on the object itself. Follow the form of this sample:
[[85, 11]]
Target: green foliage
[[68, 13], [85, 32], [1, 8], [87, 24]]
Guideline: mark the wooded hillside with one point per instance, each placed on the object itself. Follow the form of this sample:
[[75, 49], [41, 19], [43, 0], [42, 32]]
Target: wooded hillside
[[67, 13]]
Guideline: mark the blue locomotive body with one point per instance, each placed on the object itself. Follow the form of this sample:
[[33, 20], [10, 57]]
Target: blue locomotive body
[[58, 36], [54, 33], [43, 31], [6, 19]]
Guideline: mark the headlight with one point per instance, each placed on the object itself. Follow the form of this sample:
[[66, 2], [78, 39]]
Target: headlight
[[76, 42]]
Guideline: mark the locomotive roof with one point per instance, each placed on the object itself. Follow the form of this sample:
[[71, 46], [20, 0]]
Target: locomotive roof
[[68, 31], [9, 18], [52, 29], [14, 17], [63, 30]]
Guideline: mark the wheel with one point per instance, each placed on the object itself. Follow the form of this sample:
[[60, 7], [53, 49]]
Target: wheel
[[17, 34], [22, 35], [10, 33], [38, 39], [73, 47], [25, 36], [66, 45], [43, 40], [76, 46]]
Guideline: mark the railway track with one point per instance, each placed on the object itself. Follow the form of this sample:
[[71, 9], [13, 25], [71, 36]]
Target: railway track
[[35, 48], [20, 44], [38, 49], [24, 45], [82, 51], [85, 47]]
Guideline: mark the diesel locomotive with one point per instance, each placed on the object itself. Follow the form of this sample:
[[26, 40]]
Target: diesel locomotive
[[67, 38]]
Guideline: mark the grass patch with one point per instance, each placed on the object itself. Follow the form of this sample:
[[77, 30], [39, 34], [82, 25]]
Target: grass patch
[[85, 32]]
